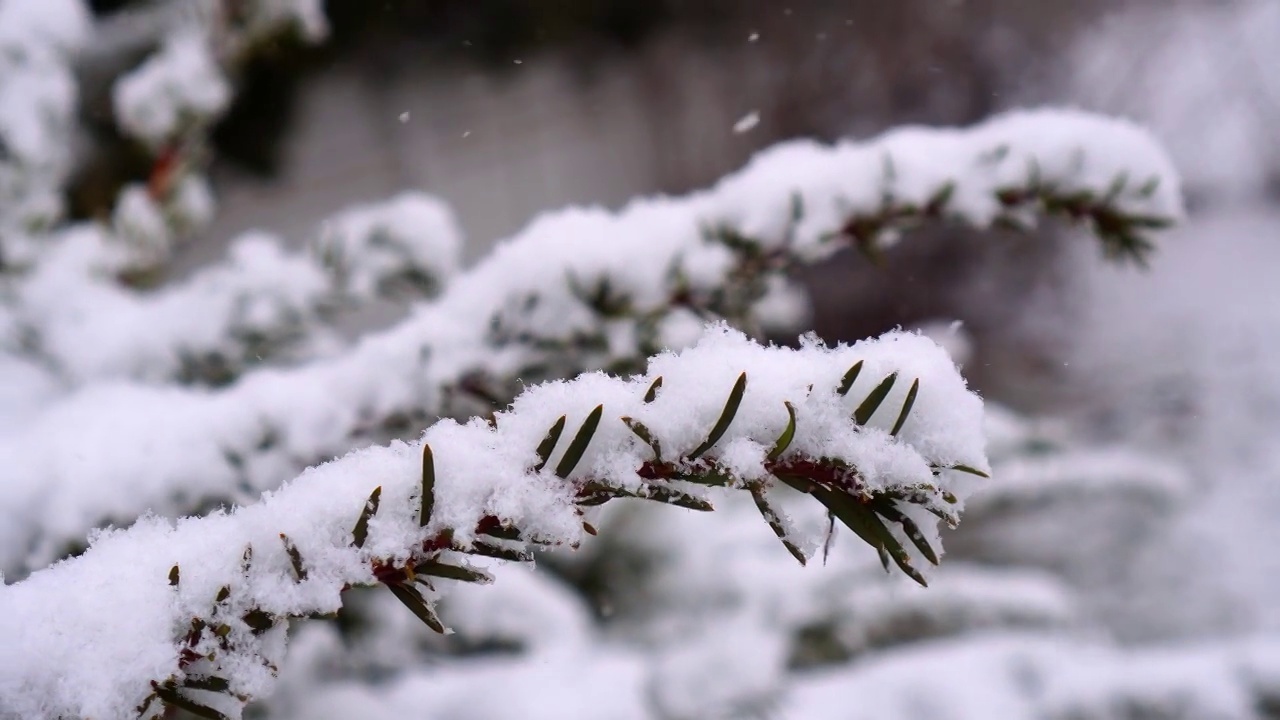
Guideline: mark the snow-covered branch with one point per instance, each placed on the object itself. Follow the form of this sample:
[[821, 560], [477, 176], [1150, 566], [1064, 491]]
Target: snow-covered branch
[[170, 101], [404, 247], [688, 589], [37, 110], [193, 614], [577, 290], [261, 303]]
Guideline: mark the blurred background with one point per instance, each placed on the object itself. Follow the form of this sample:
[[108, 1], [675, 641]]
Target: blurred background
[[509, 108]]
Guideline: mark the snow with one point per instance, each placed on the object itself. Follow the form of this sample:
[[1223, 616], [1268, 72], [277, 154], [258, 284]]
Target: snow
[[192, 202], [1198, 78], [28, 387], [1017, 676], [746, 123], [104, 434], [96, 629], [1066, 149], [1005, 675], [1011, 674], [107, 417], [729, 669], [605, 685], [182, 83], [59, 24], [372, 246], [257, 303], [515, 311], [1205, 394], [523, 606], [139, 221], [37, 107]]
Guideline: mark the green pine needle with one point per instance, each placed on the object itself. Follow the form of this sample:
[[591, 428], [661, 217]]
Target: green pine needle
[[428, 486], [726, 417], [652, 393], [413, 600], [874, 399], [548, 444], [578, 447], [360, 532], [906, 408], [850, 377], [788, 434]]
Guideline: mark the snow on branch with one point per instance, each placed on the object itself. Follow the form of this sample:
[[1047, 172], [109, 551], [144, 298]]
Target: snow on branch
[[403, 247], [180, 83], [259, 304], [181, 89], [1076, 678], [1108, 174], [576, 290], [170, 101], [186, 84], [1060, 499], [193, 614], [37, 109]]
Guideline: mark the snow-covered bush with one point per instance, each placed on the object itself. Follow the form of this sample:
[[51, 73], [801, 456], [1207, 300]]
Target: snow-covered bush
[[37, 109], [260, 303], [253, 468], [577, 290], [792, 419]]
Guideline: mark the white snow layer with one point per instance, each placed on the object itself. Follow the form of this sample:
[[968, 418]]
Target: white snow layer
[[112, 452], [182, 83], [1037, 676], [1011, 674], [88, 635], [259, 301], [373, 245], [37, 107], [185, 85]]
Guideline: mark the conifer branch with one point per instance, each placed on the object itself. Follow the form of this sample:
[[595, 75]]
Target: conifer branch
[[429, 513], [562, 310]]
